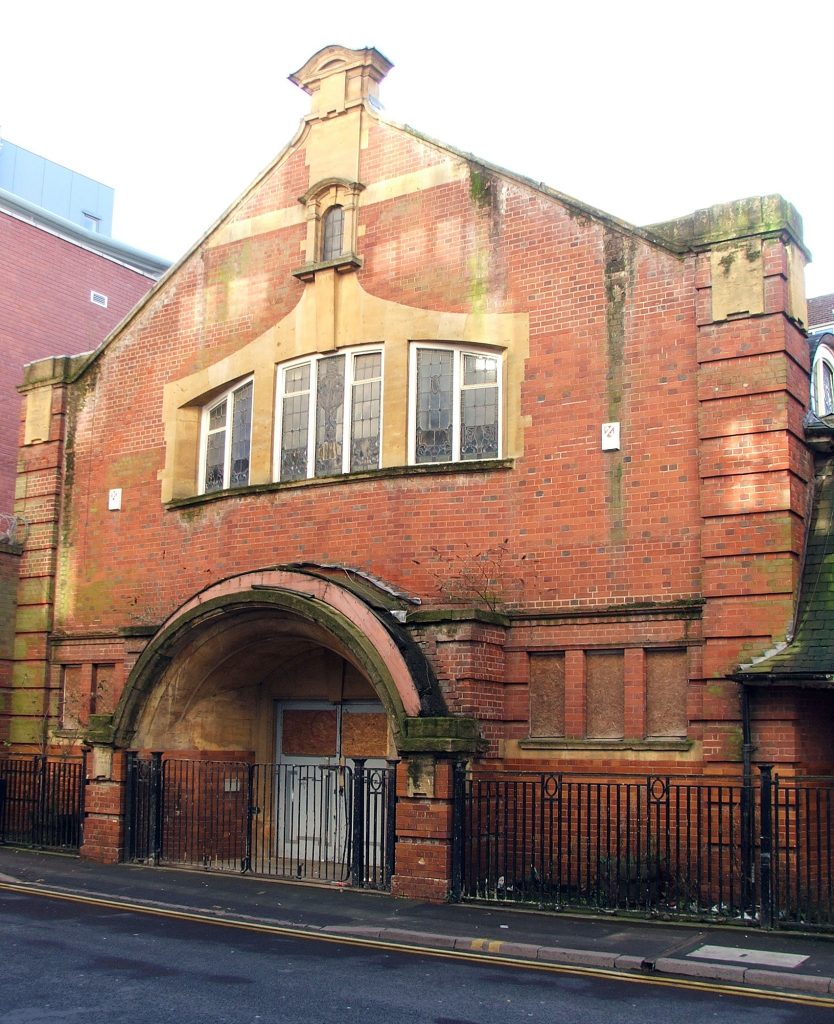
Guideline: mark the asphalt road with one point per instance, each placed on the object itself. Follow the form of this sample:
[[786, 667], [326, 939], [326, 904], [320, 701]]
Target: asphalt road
[[67, 961]]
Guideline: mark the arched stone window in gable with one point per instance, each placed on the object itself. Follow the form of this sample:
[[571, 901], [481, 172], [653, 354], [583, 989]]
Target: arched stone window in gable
[[332, 207], [332, 233]]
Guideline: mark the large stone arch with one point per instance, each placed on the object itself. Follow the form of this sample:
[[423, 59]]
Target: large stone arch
[[249, 612]]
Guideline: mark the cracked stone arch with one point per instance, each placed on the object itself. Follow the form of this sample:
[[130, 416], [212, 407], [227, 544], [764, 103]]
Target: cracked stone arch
[[209, 676]]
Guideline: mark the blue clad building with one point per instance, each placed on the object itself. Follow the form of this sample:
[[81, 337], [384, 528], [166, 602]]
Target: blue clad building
[[73, 196]]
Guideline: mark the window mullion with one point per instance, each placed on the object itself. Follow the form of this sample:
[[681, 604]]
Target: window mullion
[[311, 417], [227, 441], [347, 414], [457, 378]]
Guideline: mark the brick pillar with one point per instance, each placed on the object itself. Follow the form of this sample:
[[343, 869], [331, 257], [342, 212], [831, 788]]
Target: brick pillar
[[104, 806], [634, 683], [423, 864], [754, 466], [575, 711], [9, 566], [33, 703]]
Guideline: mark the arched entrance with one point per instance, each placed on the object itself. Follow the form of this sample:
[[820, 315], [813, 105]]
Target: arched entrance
[[275, 704]]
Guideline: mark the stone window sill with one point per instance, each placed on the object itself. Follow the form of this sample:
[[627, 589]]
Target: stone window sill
[[341, 264], [560, 743], [425, 469]]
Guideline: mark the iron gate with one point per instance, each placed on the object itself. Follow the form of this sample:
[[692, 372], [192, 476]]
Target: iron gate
[[316, 822], [760, 855], [42, 801]]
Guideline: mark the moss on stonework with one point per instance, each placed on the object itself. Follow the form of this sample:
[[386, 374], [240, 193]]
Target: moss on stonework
[[100, 729], [618, 277], [77, 395], [758, 215], [480, 185], [478, 285], [734, 744], [727, 261]]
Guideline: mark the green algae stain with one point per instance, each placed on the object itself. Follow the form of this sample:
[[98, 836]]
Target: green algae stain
[[480, 185], [618, 280]]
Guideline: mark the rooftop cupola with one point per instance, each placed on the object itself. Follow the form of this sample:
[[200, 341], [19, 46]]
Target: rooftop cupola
[[338, 78]]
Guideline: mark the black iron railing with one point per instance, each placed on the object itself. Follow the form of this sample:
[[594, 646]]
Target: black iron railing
[[655, 844], [322, 822], [42, 801]]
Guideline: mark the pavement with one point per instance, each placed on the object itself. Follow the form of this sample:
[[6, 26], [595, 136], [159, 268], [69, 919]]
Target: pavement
[[782, 961]]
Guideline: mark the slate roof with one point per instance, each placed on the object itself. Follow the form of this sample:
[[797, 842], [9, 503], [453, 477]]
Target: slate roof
[[820, 311], [808, 660]]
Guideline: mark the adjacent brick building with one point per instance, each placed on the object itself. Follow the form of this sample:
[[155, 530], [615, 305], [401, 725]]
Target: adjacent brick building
[[63, 288], [412, 457]]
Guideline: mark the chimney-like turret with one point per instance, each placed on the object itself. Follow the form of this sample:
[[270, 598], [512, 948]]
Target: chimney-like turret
[[338, 78]]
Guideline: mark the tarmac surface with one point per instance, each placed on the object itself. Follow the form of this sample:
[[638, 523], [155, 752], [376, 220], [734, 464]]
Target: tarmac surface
[[776, 960]]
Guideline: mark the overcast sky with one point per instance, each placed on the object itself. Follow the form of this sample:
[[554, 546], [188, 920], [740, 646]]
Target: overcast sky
[[647, 110]]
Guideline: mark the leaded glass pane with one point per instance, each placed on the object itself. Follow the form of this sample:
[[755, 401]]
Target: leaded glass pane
[[827, 390], [479, 370], [241, 436], [434, 406], [365, 412], [332, 232], [330, 410], [297, 378], [367, 366], [217, 416], [295, 422], [215, 460], [479, 423]]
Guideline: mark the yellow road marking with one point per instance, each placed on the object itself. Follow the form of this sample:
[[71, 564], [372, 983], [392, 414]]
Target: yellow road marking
[[475, 956]]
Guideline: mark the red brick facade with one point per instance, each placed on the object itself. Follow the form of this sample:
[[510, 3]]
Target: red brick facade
[[45, 310], [583, 583]]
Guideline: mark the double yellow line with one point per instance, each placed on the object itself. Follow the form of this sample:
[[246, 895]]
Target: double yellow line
[[479, 952]]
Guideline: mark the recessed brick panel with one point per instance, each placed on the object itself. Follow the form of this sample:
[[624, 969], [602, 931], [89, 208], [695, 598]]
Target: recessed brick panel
[[604, 695], [547, 694], [667, 680]]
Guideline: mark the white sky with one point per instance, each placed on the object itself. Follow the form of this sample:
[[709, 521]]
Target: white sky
[[648, 110]]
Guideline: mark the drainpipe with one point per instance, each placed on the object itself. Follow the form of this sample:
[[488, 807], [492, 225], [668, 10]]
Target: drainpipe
[[747, 858]]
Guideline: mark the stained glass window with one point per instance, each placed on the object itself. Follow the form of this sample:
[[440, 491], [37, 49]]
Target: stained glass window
[[366, 411], [457, 405], [330, 415], [827, 390], [479, 408], [434, 405], [337, 400], [228, 440], [241, 436], [295, 422]]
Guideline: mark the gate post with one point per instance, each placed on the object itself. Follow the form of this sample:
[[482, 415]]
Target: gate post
[[390, 820], [766, 823], [458, 817], [155, 810], [103, 822], [424, 828], [357, 860], [130, 804], [39, 821], [246, 864]]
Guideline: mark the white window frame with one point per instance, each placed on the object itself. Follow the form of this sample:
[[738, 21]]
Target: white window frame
[[228, 397], [822, 357], [459, 352], [313, 360]]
